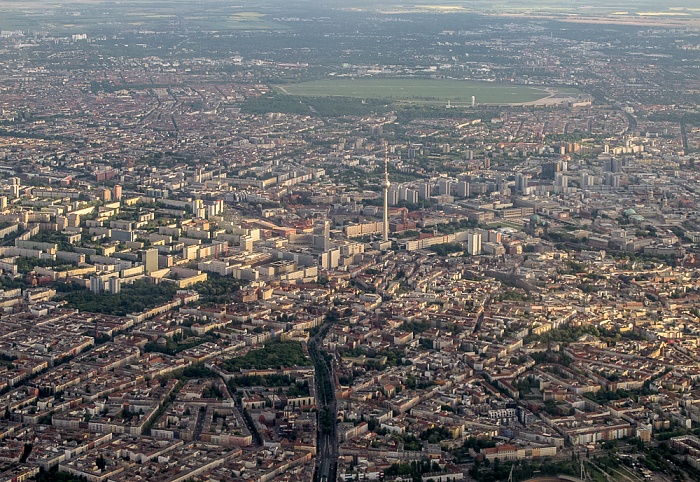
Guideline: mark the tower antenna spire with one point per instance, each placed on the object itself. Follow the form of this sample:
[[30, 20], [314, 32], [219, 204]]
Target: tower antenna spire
[[386, 162], [385, 185]]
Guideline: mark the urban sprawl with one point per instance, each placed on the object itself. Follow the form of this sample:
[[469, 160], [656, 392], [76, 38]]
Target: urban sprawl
[[205, 278]]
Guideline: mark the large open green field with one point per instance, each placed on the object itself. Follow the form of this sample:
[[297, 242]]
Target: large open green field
[[429, 91], [92, 16]]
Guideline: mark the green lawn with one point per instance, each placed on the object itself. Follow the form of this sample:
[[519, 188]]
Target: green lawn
[[458, 92], [505, 224]]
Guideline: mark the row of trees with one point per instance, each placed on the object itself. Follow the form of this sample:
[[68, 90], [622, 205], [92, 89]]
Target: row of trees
[[331, 106], [143, 295], [217, 289], [133, 298]]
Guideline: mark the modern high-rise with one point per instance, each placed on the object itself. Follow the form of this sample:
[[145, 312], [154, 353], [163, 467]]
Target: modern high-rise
[[561, 182], [149, 258], [587, 180], [115, 286], [15, 186], [96, 284], [394, 196], [463, 189], [322, 235], [424, 190], [521, 182], [474, 243], [444, 186], [550, 170]]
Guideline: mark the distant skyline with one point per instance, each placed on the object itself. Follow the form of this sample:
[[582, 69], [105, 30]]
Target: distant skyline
[[620, 4], [100, 17]]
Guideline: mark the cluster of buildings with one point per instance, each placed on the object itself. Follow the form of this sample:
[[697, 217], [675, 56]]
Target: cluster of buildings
[[503, 283]]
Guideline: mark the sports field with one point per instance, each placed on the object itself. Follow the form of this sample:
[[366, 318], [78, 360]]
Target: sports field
[[428, 91]]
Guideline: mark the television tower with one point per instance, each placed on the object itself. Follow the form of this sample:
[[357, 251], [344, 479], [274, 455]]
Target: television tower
[[385, 185]]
